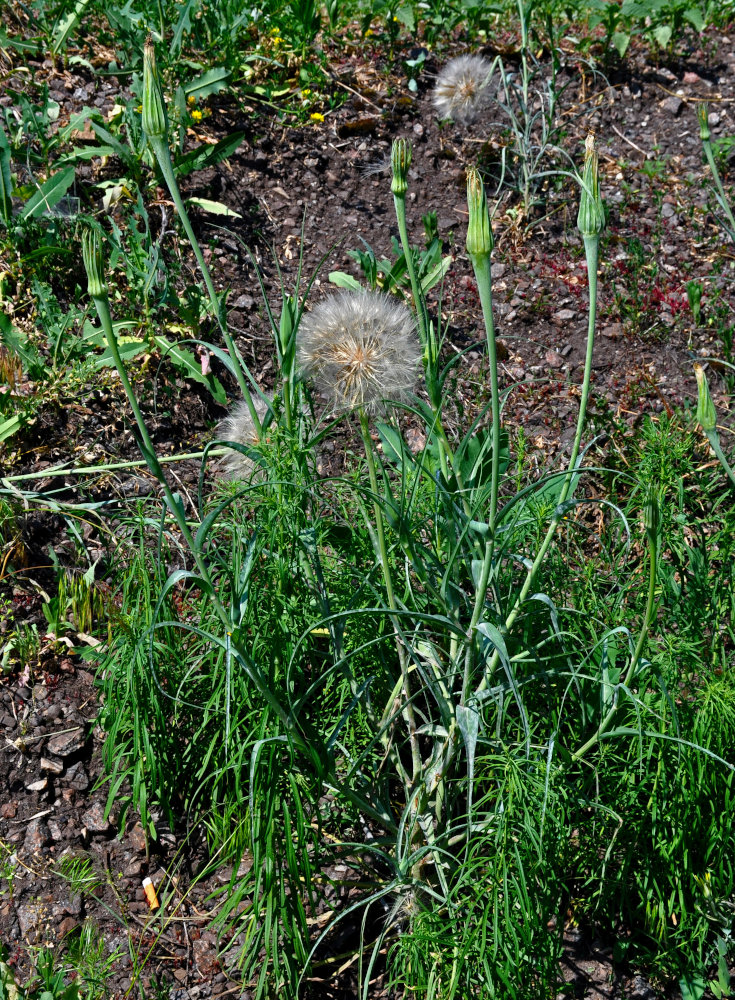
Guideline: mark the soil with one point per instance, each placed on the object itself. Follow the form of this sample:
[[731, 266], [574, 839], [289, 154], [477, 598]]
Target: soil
[[332, 179]]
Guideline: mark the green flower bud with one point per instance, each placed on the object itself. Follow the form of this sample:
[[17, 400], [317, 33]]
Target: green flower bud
[[706, 414], [155, 119], [479, 230], [651, 514], [591, 217], [703, 115], [400, 160], [94, 264]]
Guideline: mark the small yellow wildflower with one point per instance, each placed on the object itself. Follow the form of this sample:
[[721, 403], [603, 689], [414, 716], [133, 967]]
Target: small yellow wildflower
[[369, 32], [316, 117], [305, 92], [196, 115], [275, 31], [277, 40], [191, 99]]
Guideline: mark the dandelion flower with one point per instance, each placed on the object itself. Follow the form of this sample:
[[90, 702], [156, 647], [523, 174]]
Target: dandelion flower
[[360, 348], [316, 117], [197, 116], [238, 426], [462, 88]]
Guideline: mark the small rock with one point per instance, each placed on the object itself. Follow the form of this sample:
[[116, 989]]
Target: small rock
[[37, 835], [245, 302], [51, 713], [8, 810], [52, 766], [66, 744], [673, 105], [66, 926], [498, 270], [137, 838], [690, 77], [40, 785], [134, 869], [613, 331], [77, 777], [713, 118], [24, 693], [564, 315], [554, 359], [94, 819]]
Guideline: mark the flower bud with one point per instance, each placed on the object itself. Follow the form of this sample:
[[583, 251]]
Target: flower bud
[[479, 230], [706, 415], [703, 115], [155, 119], [591, 217], [651, 514], [93, 263], [400, 160]]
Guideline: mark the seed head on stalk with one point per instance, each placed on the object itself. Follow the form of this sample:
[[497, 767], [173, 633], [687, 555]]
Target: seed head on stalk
[[462, 88], [360, 348], [591, 216], [238, 426], [155, 119]]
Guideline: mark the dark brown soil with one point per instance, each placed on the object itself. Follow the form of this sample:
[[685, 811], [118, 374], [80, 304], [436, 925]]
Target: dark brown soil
[[332, 178]]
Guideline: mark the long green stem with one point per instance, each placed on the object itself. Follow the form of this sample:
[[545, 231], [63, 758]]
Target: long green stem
[[408, 711], [481, 266], [591, 246], [163, 155], [714, 440], [90, 470]]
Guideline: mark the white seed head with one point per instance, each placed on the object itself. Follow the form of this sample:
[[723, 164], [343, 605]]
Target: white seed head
[[463, 88], [238, 426], [360, 348]]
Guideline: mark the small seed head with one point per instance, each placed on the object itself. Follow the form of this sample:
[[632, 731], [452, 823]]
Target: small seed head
[[462, 88], [479, 230], [591, 217], [703, 115], [93, 263], [706, 413], [360, 348], [238, 426], [155, 119], [400, 160]]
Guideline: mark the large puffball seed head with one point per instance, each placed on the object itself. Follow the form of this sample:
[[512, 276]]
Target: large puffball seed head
[[360, 349], [463, 88]]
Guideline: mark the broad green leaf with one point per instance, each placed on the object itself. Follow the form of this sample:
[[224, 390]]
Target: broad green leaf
[[406, 16], [436, 274], [191, 367], [695, 17], [10, 426], [208, 83], [621, 41], [49, 194], [215, 207], [692, 986], [343, 280], [208, 156], [662, 34], [85, 153], [183, 24], [67, 26]]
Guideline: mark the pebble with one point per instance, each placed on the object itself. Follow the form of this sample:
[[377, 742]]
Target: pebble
[[66, 744], [673, 105], [53, 766], [37, 835], [94, 819], [39, 785]]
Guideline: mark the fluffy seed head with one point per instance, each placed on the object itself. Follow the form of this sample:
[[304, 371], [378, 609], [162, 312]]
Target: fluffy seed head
[[462, 88], [238, 426], [360, 348]]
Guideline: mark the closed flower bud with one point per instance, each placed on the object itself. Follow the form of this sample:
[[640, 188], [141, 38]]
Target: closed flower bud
[[591, 217], [93, 263], [479, 230], [703, 115], [706, 415], [650, 513], [155, 119], [400, 160]]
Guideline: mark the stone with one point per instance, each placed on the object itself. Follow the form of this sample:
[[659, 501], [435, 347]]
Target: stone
[[52, 766], [39, 785], [613, 331], [67, 744], [77, 777], [554, 359], [8, 810], [137, 838], [94, 819], [673, 105], [564, 315], [37, 835], [498, 270]]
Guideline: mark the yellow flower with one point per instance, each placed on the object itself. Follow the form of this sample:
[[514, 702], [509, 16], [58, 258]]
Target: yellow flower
[[316, 117], [305, 92], [191, 99], [196, 115], [277, 41], [275, 31], [369, 32]]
